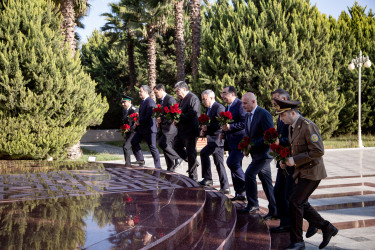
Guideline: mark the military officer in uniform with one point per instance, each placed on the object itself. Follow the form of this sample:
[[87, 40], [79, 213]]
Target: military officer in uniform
[[307, 152], [129, 109]]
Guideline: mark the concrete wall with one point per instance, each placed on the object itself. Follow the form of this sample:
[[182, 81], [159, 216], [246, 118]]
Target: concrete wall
[[102, 135]]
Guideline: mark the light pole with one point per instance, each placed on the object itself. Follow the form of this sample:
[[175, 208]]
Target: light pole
[[359, 62]]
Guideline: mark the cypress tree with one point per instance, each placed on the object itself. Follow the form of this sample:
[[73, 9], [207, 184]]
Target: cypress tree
[[47, 100], [352, 32], [260, 46], [108, 66]]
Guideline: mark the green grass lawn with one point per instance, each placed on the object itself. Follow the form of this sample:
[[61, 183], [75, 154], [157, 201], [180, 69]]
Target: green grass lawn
[[99, 156], [349, 141]]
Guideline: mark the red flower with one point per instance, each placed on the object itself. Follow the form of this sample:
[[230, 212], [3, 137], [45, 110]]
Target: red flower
[[124, 129], [245, 145], [224, 118], [273, 146], [279, 153], [173, 113], [127, 199], [270, 136], [204, 119]]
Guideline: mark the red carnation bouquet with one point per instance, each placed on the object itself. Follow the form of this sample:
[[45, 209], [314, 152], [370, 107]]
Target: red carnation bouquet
[[157, 112], [279, 153], [270, 136], [134, 116], [224, 118], [245, 145], [124, 129], [173, 113], [204, 119]]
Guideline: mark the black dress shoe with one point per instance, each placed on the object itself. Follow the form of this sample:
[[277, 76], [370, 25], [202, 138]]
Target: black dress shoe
[[249, 210], [280, 229], [141, 163], [270, 217], [239, 197], [296, 246], [225, 191], [328, 232], [311, 231], [206, 182]]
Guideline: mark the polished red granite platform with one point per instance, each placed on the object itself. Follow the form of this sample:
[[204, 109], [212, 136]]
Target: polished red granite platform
[[108, 206]]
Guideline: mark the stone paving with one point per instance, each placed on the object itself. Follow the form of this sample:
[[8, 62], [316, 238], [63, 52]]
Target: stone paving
[[346, 197]]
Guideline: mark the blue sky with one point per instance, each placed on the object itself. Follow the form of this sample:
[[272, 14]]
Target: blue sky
[[95, 21]]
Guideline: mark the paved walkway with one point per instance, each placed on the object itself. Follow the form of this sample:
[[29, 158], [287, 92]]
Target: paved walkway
[[346, 197]]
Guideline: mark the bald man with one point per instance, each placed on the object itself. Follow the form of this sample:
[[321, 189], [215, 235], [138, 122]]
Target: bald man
[[257, 121]]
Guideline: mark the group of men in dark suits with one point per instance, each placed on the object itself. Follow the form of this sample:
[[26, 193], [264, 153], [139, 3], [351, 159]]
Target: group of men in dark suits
[[296, 179]]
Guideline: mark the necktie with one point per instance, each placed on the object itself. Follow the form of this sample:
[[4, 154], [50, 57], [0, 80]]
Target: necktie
[[249, 122], [291, 132], [208, 110], [162, 102]]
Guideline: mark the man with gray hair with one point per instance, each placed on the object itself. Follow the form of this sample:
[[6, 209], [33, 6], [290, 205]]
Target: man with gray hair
[[187, 127], [215, 146], [145, 128]]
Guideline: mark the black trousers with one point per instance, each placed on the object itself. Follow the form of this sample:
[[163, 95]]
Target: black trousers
[[300, 208], [186, 149], [165, 142], [282, 190], [127, 147], [218, 154], [150, 139]]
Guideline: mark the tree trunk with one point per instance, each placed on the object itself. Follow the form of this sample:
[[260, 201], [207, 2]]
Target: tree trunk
[[68, 25], [131, 64], [195, 22], [151, 53], [179, 39]]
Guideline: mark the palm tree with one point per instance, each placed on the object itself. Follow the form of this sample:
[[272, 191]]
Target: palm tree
[[120, 27], [71, 10], [195, 22], [149, 15], [179, 39]]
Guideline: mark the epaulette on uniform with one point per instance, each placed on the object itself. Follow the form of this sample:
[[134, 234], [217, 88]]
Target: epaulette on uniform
[[306, 121], [133, 108]]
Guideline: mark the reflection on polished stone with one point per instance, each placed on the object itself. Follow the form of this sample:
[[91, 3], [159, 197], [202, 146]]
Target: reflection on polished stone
[[96, 206]]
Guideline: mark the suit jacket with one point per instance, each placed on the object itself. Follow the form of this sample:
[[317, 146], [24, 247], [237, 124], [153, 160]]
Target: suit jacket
[[125, 117], [147, 124], [237, 127], [307, 150], [191, 109], [283, 131], [167, 126], [261, 121], [213, 129]]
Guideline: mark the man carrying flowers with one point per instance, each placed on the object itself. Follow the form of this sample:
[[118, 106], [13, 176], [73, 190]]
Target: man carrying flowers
[[129, 109], [307, 152]]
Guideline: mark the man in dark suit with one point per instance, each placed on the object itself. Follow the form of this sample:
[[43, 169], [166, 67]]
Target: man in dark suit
[[145, 128], [129, 109], [307, 158], [215, 146], [284, 179], [168, 130], [233, 134], [188, 127], [258, 120]]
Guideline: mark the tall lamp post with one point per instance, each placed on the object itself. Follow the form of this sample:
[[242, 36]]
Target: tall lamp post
[[359, 62]]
